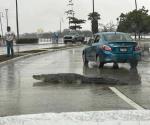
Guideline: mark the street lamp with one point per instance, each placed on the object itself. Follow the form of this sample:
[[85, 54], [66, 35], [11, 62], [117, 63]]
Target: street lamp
[[17, 21], [6, 16]]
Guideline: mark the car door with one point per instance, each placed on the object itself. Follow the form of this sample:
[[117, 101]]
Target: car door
[[91, 51]]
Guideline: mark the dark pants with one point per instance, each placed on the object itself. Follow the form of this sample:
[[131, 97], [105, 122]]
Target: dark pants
[[9, 45]]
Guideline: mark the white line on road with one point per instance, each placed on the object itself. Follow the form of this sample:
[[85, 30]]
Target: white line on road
[[126, 99]]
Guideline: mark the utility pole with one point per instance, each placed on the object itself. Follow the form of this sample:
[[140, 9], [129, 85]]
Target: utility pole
[[136, 5], [6, 16], [60, 27], [136, 30], [17, 21], [94, 19], [1, 15], [93, 6]]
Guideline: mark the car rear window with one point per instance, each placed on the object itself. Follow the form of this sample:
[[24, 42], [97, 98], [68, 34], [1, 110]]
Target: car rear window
[[117, 37]]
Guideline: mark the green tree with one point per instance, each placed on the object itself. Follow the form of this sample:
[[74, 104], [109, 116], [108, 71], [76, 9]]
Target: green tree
[[94, 17], [136, 21], [76, 23]]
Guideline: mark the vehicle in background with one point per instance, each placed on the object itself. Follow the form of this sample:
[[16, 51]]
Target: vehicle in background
[[73, 37], [112, 47]]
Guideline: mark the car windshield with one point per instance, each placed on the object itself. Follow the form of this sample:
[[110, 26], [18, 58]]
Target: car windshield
[[117, 38]]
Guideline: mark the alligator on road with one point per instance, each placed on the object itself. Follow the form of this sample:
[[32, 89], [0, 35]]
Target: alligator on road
[[75, 78]]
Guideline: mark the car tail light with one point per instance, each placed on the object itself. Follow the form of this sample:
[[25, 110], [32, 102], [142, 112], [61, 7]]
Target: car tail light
[[106, 48], [137, 48]]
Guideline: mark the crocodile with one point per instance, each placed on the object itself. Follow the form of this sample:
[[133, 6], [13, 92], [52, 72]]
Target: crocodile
[[75, 78]]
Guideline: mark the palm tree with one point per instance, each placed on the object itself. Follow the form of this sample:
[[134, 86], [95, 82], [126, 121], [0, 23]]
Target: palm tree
[[94, 17]]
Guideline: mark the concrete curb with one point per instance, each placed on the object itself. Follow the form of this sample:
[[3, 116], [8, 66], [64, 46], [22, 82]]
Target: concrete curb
[[38, 53], [122, 117]]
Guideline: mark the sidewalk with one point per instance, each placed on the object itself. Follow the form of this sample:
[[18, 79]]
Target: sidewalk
[[27, 47], [28, 53], [131, 117]]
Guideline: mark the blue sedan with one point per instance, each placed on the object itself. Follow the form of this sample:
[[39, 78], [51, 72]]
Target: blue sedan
[[112, 47]]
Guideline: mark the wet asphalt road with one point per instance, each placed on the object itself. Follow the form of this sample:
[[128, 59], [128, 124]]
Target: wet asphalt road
[[28, 47], [21, 94]]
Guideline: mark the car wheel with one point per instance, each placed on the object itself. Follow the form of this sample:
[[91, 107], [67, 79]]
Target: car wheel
[[99, 63], [85, 61], [75, 39], [115, 66], [133, 64]]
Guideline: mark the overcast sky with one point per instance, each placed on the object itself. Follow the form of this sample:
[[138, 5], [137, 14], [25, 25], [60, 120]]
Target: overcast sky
[[46, 14]]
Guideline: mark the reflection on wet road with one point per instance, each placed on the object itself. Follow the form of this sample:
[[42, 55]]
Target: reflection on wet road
[[28, 47], [18, 95], [131, 77]]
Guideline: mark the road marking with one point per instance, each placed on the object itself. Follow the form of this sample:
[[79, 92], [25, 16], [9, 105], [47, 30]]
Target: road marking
[[126, 99]]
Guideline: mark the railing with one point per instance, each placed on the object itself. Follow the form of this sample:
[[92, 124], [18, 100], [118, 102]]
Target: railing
[[50, 40]]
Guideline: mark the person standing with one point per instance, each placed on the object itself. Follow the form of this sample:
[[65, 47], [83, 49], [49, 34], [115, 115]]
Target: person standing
[[10, 37], [56, 37]]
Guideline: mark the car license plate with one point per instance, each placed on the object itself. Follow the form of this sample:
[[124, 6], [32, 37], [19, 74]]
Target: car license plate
[[123, 49]]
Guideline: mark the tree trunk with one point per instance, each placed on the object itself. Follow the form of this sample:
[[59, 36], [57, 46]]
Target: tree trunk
[[94, 26]]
